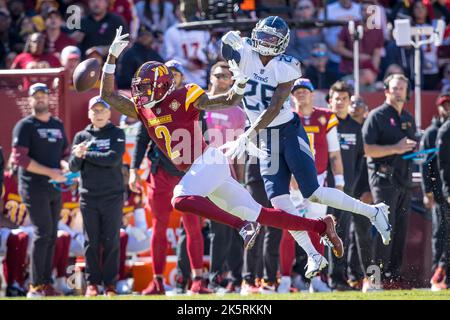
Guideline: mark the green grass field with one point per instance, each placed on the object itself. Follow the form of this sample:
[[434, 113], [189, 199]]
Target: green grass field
[[382, 295]]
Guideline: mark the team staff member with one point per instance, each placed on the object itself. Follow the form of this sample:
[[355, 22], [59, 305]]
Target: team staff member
[[39, 145], [97, 154], [388, 133], [352, 153], [433, 197], [443, 143]]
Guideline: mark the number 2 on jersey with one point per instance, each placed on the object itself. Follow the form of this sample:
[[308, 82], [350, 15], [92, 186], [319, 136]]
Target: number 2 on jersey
[[311, 143], [163, 133]]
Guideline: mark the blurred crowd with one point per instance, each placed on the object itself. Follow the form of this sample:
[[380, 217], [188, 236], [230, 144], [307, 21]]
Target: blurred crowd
[[49, 33]]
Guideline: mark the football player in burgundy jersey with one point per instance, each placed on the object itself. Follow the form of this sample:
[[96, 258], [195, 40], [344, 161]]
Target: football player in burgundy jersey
[[171, 116]]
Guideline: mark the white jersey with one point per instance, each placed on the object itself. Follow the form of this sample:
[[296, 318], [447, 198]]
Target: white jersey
[[264, 80], [188, 46]]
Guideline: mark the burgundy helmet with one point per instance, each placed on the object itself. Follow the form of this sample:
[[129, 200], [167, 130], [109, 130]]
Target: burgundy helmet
[[152, 82]]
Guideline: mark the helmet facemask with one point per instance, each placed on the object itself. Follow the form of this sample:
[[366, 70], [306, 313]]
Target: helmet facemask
[[267, 41]]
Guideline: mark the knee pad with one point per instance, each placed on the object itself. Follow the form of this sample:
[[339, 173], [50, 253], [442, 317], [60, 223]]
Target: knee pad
[[318, 195]]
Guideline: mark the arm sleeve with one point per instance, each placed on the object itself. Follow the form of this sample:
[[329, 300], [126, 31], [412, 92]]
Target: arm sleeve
[[333, 141], [112, 157], [443, 140], [142, 141], [425, 168], [21, 144], [74, 162]]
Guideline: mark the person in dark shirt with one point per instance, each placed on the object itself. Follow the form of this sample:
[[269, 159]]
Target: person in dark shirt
[[442, 243], [39, 146], [389, 133], [98, 29], [133, 58], [97, 153], [318, 70]]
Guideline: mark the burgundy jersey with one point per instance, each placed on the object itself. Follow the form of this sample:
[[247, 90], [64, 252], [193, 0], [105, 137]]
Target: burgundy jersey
[[13, 208], [317, 125], [70, 212], [173, 124]]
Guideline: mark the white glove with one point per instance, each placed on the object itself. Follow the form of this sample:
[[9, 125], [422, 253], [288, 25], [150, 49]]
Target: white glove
[[119, 44], [233, 39], [136, 232], [237, 148], [239, 78]]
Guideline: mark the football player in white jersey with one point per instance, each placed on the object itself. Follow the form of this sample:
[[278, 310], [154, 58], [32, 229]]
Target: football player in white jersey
[[271, 76]]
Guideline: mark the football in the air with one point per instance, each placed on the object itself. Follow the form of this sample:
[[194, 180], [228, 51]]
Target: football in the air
[[86, 74]]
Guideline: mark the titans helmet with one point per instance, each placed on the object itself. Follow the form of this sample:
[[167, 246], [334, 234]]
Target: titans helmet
[[270, 36]]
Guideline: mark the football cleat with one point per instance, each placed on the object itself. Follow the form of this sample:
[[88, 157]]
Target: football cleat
[[381, 221], [331, 238], [316, 262], [156, 287], [198, 287], [249, 288], [249, 232]]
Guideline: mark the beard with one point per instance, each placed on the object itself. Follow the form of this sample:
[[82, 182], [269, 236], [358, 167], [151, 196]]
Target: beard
[[40, 108]]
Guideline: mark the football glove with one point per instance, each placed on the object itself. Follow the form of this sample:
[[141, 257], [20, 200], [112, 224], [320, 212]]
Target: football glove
[[119, 44], [233, 39], [237, 148]]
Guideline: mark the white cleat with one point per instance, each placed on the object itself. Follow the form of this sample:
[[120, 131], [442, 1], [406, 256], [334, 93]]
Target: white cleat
[[317, 285], [285, 285], [316, 262], [381, 221]]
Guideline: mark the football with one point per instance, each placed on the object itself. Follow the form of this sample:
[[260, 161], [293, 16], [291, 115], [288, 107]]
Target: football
[[86, 74]]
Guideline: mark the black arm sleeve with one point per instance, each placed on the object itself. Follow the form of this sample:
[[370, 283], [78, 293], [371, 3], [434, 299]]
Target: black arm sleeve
[[142, 141], [443, 140], [75, 163], [112, 157]]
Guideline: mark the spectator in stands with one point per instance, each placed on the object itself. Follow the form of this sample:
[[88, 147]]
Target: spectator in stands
[[126, 9], [57, 39], [429, 66], [140, 52], [156, 15], [370, 45], [438, 9], [17, 10], [190, 48], [403, 57], [343, 10], [10, 41], [70, 58], [367, 77], [445, 81], [35, 55], [42, 8], [302, 41], [27, 27], [317, 71], [99, 27]]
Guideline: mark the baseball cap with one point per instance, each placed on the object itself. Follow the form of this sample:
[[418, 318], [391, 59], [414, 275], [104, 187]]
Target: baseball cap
[[176, 65], [302, 83], [98, 99], [70, 52], [443, 98], [37, 87]]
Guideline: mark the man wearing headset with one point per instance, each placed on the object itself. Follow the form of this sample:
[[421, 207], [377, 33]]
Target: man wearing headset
[[389, 133]]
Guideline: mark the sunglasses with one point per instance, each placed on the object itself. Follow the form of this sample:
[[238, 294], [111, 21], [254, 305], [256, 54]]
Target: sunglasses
[[304, 7], [222, 76]]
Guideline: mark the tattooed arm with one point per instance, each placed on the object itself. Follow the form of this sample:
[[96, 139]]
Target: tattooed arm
[[119, 102], [219, 101]]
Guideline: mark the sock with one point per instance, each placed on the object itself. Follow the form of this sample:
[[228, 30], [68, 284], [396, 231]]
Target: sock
[[287, 253], [337, 199], [140, 220], [282, 220], [285, 203], [194, 240], [315, 240], [205, 208]]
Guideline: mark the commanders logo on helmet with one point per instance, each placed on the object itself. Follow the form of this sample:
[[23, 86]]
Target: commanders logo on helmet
[[270, 36], [151, 84]]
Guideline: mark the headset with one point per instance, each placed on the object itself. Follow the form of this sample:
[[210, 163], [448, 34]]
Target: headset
[[400, 77]]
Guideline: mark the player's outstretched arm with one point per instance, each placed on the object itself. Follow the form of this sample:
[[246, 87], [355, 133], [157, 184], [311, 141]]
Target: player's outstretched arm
[[279, 97], [107, 91]]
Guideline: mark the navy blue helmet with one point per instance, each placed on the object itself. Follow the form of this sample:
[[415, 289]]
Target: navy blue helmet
[[270, 37]]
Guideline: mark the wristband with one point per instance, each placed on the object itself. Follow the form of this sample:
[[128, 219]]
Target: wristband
[[238, 90], [109, 68], [339, 180]]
